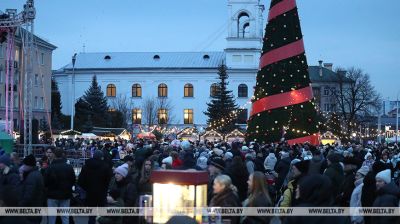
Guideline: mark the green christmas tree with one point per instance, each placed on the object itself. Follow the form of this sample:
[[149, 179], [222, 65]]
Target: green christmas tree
[[83, 116], [56, 114], [221, 109], [283, 104], [97, 104]]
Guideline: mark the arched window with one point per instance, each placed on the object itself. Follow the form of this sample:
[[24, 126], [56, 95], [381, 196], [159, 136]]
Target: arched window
[[243, 24], [111, 90], [162, 90], [214, 89], [136, 90], [242, 90], [188, 90], [137, 116]]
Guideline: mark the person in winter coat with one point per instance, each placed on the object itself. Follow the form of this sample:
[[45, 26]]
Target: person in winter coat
[[239, 175], [127, 189], [9, 198], [368, 194], [31, 187], [95, 178], [386, 160], [317, 163], [299, 169], [355, 200], [335, 173], [176, 161], [59, 179], [270, 162], [250, 163], [388, 195], [258, 197], [314, 191], [368, 160], [8, 176], [144, 184], [350, 168], [215, 168], [282, 168], [225, 195]]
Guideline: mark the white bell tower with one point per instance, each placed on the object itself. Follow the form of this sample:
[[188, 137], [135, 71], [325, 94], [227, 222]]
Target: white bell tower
[[245, 33]]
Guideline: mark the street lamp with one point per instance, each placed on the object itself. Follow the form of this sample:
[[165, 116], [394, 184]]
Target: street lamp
[[73, 92]]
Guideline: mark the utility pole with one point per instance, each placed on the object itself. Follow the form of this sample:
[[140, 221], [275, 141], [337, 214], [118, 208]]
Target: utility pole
[[73, 92]]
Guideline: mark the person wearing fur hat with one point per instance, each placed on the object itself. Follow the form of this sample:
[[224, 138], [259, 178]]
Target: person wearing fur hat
[[335, 174], [355, 200], [368, 160], [32, 187], [8, 176], [123, 183], [388, 195]]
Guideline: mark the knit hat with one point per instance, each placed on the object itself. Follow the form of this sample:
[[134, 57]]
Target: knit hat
[[29, 160], [367, 155], [5, 159], [245, 148], [284, 154], [218, 151], [167, 160], [228, 155], [302, 166], [185, 145], [363, 170], [334, 158], [218, 162], [384, 175], [122, 171], [202, 162]]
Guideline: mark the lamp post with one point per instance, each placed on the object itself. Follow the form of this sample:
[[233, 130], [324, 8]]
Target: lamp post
[[73, 92]]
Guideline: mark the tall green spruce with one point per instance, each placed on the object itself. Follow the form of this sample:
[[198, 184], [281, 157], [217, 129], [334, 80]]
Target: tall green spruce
[[222, 105], [56, 115], [279, 74], [92, 108]]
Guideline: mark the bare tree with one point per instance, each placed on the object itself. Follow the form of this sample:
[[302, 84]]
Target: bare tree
[[165, 104], [356, 96], [149, 109], [124, 105]]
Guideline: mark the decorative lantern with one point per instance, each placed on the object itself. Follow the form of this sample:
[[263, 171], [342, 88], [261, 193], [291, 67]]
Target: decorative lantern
[[174, 189]]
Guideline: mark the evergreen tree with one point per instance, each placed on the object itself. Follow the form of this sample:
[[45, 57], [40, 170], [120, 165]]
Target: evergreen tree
[[283, 104], [222, 106], [83, 116], [116, 119], [56, 106], [97, 104]]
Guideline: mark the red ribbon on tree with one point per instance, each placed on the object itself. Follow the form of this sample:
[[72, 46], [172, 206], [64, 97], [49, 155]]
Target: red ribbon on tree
[[312, 139], [280, 8], [282, 100], [287, 51]]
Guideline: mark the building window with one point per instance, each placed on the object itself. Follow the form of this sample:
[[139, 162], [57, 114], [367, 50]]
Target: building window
[[188, 116], [136, 90], [111, 90], [327, 107], [243, 25], [326, 91], [248, 58], [41, 102], [333, 91], [333, 107], [214, 89], [2, 76], [42, 80], [242, 116], [236, 58], [36, 79], [242, 90], [110, 109], [16, 102], [42, 58], [36, 102], [162, 116], [136, 116], [188, 90], [162, 90]]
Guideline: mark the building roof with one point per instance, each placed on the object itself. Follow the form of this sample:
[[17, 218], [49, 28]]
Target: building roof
[[37, 40], [139, 60], [327, 74]]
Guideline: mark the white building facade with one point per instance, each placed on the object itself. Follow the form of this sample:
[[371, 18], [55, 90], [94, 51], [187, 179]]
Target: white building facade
[[184, 79]]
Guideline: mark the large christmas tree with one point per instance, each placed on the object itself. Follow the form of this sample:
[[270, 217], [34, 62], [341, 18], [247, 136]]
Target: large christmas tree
[[283, 104]]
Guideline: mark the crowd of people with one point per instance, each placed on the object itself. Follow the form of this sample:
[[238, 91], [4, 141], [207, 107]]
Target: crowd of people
[[240, 175]]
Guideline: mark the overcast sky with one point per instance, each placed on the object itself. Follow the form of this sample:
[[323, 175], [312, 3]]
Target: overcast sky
[[360, 33]]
